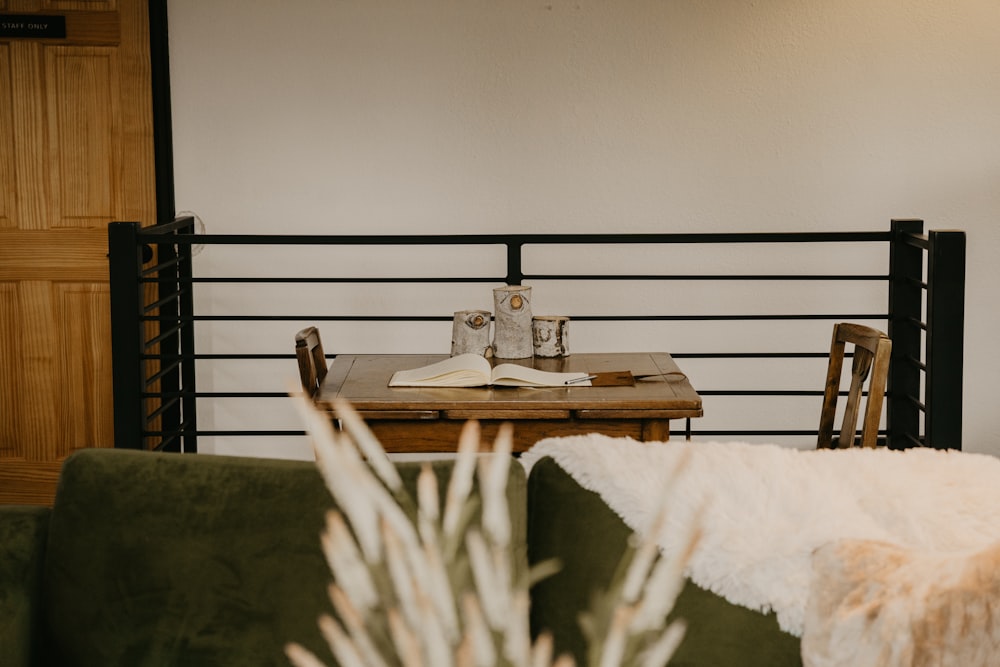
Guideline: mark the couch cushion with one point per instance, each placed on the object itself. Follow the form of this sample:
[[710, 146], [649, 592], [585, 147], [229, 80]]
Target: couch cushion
[[22, 548], [575, 525], [193, 559]]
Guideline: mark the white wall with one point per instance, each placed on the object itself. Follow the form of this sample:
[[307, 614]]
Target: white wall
[[390, 116]]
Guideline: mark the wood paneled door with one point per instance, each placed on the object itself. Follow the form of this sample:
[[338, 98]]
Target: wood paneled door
[[76, 152]]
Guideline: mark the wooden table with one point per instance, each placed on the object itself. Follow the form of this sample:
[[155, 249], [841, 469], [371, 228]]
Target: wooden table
[[419, 419]]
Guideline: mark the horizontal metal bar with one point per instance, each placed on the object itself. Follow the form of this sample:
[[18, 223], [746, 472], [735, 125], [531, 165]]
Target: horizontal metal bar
[[150, 233], [269, 280], [165, 369], [164, 334], [757, 433], [166, 442], [920, 324], [762, 392], [163, 408], [913, 282], [283, 394], [749, 355], [675, 355], [756, 355], [305, 318], [165, 228], [770, 392], [215, 394], [222, 433], [157, 268], [185, 357], [695, 277], [731, 433], [156, 305], [910, 360], [918, 240], [580, 318]]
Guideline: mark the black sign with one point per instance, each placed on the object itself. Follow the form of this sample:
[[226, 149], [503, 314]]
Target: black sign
[[27, 26]]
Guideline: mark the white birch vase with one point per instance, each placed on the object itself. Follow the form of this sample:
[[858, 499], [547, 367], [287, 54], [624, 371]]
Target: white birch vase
[[512, 325], [470, 332], [550, 335]]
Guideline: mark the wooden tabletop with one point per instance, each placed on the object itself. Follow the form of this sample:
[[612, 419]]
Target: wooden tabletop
[[362, 379]]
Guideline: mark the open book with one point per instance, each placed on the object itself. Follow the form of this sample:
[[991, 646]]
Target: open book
[[473, 370]]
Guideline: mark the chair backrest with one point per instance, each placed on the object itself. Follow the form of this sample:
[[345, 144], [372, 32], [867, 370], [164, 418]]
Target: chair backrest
[[312, 361], [872, 350]]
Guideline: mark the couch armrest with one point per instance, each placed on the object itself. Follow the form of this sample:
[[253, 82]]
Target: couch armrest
[[23, 533]]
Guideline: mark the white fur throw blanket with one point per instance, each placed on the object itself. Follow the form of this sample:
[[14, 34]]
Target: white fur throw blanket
[[768, 508]]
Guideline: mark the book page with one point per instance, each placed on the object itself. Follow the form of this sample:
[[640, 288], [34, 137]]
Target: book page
[[514, 375], [463, 370]]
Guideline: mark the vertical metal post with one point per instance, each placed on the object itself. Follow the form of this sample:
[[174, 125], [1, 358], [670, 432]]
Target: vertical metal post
[[514, 272], [125, 257], [174, 350], [185, 310], [945, 338], [163, 142], [168, 345], [906, 268]]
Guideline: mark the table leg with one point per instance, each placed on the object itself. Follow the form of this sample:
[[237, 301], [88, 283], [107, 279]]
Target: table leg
[[655, 430]]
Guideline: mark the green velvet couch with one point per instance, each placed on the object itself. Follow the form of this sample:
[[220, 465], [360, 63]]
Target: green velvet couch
[[195, 560], [574, 525]]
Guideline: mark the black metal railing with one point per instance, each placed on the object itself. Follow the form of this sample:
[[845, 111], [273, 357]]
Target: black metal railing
[[155, 316]]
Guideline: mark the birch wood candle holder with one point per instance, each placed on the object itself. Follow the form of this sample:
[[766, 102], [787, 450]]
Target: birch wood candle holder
[[470, 332], [512, 327]]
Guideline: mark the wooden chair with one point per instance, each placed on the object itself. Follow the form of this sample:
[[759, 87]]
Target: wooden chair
[[312, 361], [872, 350]]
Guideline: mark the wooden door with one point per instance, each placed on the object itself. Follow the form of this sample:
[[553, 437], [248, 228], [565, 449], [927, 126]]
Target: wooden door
[[76, 152]]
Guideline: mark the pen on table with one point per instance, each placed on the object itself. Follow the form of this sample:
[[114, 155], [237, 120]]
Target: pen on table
[[583, 379]]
